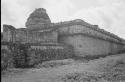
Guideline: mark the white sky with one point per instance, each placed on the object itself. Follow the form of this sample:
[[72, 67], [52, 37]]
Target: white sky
[[108, 14]]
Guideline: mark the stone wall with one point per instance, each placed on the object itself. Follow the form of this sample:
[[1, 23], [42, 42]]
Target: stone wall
[[36, 37], [89, 41], [25, 36], [89, 29], [30, 54], [86, 45], [40, 53], [89, 38], [20, 35], [80, 29], [8, 33], [6, 56]]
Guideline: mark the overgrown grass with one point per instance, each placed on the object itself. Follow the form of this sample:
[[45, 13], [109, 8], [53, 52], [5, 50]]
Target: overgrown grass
[[109, 69]]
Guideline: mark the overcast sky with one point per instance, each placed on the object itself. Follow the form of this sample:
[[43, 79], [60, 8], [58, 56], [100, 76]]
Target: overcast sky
[[108, 14]]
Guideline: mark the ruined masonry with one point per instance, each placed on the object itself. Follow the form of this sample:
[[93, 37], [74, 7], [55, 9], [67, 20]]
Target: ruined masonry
[[86, 39]]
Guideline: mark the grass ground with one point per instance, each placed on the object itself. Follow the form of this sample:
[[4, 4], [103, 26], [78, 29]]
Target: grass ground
[[108, 69]]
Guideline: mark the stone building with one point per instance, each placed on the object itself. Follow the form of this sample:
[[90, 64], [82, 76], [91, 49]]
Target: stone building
[[85, 38]]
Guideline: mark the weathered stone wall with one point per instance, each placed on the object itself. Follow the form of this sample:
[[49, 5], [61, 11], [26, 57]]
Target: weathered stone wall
[[8, 33], [40, 53], [87, 28], [6, 56], [36, 37], [25, 36], [90, 38], [44, 37], [116, 47], [20, 35], [80, 29], [86, 45], [37, 19], [87, 41], [30, 54]]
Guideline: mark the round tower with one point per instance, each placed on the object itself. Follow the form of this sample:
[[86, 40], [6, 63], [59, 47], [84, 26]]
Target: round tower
[[37, 19]]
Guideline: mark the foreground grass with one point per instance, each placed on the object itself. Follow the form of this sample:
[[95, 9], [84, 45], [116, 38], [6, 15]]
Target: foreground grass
[[108, 69]]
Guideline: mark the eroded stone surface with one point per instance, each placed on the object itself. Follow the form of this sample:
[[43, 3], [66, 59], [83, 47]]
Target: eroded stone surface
[[37, 19]]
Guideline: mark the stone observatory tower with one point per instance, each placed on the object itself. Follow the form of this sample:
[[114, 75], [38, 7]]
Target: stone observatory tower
[[38, 19]]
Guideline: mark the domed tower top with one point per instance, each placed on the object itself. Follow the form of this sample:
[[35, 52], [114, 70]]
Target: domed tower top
[[38, 19]]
